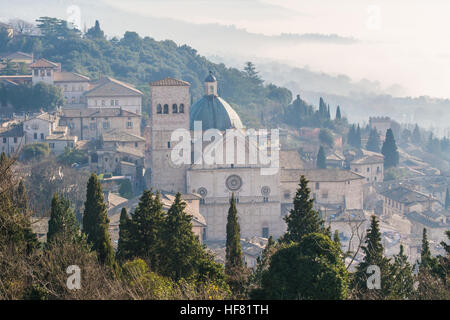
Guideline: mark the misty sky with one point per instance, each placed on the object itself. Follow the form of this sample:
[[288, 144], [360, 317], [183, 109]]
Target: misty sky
[[396, 42]]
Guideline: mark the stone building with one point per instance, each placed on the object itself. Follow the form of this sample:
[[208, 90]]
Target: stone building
[[334, 190], [369, 166], [381, 124], [170, 107], [401, 200], [12, 139], [91, 123]]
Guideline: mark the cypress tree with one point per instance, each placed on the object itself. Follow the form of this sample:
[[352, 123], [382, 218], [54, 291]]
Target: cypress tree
[[416, 136], [338, 113], [427, 261], [351, 135], [321, 159], [358, 137], [373, 255], [233, 259], [21, 197], [146, 229], [447, 200], [389, 150], [336, 238], [182, 249], [124, 244], [373, 143], [302, 219], [63, 225], [96, 222]]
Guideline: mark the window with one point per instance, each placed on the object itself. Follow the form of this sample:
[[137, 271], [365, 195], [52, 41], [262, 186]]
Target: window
[[4, 140], [73, 100], [42, 72], [92, 125], [15, 139], [42, 136], [136, 144], [181, 108], [202, 201], [158, 109], [112, 102], [35, 136], [51, 145], [325, 195], [103, 103], [265, 199], [174, 108], [12, 149], [36, 72], [116, 102], [49, 73], [166, 109], [168, 144], [65, 87], [356, 169], [368, 169], [129, 124], [265, 232], [317, 186], [105, 125], [378, 169]]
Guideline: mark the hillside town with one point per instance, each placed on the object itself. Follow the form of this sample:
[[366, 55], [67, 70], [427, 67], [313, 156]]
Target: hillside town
[[217, 169], [104, 119]]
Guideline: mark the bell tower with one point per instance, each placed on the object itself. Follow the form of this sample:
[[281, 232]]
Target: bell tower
[[211, 85], [170, 104]]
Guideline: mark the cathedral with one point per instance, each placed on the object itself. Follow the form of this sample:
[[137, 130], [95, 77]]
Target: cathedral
[[257, 195]]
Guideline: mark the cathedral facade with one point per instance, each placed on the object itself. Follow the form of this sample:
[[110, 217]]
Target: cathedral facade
[[257, 195]]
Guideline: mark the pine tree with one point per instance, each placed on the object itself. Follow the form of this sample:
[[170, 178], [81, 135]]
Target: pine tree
[[233, 260], [447, 200], [182, 249], [302, 219], [96, 222], [124, 244], [373, 255], [95, 32], [402, 277], [416, 136], [321, 159], [146, 229], [338, 113], [373, 144], [62, 225], [389, 150]]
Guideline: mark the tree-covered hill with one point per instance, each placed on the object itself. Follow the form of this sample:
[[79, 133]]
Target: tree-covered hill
[[141, 60]]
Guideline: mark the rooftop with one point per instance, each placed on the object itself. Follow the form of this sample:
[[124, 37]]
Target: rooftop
[[167, 82], [405, 195], [97, 112], [44, 63], [319, 175], [121, 136], [112, 87], [69, 77]]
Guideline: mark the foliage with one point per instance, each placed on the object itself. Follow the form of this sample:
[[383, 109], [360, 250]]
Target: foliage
[[310, 269], [96, 222], [326, 137], [233, 257], [72, 156], [373, 255], [321, 159], [373, 143], [389, 150], [354, 136], [302, 219], [35, 151], [62, 225], [126, 189], [27, 98]]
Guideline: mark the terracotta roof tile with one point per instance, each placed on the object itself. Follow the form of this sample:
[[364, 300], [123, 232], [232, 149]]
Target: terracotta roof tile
[[169, 82]]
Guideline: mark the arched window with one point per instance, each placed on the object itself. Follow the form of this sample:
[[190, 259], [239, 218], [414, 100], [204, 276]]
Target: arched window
[[181, 108], [166, 109], [174, 108], [158, 109]]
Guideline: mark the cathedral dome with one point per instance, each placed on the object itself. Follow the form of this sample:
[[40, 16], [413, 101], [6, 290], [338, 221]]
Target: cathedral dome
[[212, 110], [214, 113]]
